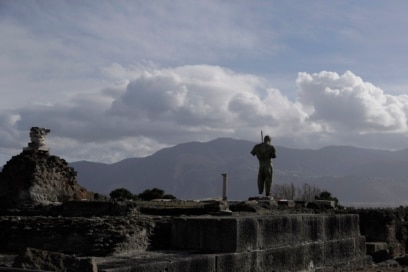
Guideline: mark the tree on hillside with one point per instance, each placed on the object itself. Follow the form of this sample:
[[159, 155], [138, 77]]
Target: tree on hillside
[[155, 193], [121, 194], [168, 196]]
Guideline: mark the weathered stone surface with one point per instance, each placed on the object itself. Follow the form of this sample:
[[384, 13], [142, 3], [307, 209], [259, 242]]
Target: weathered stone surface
[[164, 261], [287, 203], [403, 260], [97, 208], [99, 236], [201, 243], [328, 204], [10, 269], [388, 226], [237, 234], [121, 238], [372, 247], [6, 260], [202, 208], [302, 257], [35, 177], [277, 242], [51, 261]]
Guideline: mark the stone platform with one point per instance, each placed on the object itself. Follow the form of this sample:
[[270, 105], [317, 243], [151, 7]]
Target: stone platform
[[123, 237], [297, 242]]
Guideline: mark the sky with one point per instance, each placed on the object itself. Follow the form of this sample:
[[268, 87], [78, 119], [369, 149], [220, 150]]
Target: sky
[[120, 79]]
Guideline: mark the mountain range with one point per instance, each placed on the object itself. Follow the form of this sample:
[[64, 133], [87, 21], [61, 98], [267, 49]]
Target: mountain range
[[193, 170]]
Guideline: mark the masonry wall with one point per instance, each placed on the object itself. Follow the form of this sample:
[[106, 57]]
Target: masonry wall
[[131, 241], [278, 242]]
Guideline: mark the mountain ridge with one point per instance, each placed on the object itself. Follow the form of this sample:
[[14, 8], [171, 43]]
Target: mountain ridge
[[193, 171]]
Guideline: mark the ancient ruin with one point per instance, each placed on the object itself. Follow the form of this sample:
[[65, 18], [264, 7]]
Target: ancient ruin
[[37, 136], [35, 177], [48, 222]]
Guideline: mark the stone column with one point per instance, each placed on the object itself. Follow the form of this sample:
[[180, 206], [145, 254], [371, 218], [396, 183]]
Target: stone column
[[224, 186]]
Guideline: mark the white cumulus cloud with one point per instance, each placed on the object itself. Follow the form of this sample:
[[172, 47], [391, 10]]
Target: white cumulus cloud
[[160, 107], [347, 103]]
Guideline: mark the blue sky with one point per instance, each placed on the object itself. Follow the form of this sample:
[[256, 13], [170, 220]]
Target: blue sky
[[118, 79]]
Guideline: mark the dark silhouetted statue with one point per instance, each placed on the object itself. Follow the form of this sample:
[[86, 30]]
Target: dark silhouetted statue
[[265, 152]]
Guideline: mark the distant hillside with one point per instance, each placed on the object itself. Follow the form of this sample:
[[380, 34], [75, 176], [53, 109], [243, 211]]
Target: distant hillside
[[193, 171]]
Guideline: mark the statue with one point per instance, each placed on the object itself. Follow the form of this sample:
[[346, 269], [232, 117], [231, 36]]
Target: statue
[[37, 136], [265, 152]]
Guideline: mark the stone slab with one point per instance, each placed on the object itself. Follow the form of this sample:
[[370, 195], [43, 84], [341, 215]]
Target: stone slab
[[326, 203], [372, 247], [287, 203], [316, 256], [231, 234]]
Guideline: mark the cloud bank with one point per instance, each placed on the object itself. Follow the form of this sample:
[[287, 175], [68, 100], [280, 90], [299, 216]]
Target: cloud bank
[[156, 107]]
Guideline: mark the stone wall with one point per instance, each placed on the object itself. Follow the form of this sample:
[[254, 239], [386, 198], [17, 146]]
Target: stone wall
[[119, 237], [98, 236], [385, 226], [279, 242]]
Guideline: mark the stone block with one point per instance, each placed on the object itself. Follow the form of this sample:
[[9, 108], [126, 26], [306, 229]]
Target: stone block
[[402, 260], [260, 232], [202, 233], [287, 203], [300, 257], [372, 247], [279, 231], [378, 251], [7, 260], [288, 242], [180, 263], [328, 204], [37, 259], [381, 256], [313, 227], [83, 236], [339, 226]]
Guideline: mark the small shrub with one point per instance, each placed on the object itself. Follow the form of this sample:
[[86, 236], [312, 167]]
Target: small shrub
[[154, 193], [121, 194], [167, 196], [325, 195]]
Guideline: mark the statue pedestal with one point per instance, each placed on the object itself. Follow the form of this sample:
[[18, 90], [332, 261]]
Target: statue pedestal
[[36, 147], [41, 149]]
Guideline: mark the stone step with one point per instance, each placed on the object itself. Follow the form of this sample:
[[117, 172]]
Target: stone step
[[316, 256], [238, 234]]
